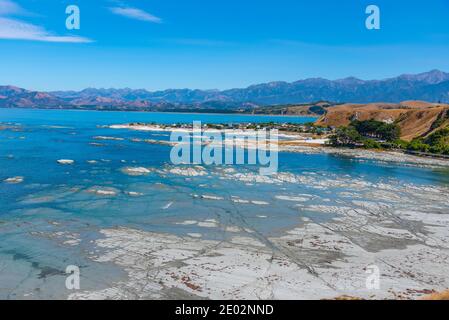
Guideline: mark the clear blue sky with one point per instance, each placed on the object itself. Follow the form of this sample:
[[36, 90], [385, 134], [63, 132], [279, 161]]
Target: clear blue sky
[[215, 44]]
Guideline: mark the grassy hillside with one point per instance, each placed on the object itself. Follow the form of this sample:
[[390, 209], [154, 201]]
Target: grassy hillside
[[415, 119]]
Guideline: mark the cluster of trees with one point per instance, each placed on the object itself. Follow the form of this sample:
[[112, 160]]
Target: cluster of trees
[[437, 142], [374, 134], [369, 134], [377, 129]]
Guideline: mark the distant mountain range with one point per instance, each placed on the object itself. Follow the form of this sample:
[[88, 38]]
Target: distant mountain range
[[432, 86]]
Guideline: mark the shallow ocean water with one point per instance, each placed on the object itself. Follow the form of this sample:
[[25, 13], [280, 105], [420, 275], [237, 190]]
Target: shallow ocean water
[[51, 219]]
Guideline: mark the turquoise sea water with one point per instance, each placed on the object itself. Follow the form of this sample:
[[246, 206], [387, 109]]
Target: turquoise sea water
[[49, 220]]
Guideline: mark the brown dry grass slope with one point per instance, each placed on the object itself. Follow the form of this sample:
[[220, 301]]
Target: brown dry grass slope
[[415, 118]]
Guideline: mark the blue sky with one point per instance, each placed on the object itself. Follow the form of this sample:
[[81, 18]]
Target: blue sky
[[210, 44]]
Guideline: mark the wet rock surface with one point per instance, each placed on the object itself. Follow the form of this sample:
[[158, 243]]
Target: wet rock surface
[[385, 230]]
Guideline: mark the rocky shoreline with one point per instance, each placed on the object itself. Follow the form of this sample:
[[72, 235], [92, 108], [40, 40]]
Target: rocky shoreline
[[396, 157], [299, 143], [375, 226]]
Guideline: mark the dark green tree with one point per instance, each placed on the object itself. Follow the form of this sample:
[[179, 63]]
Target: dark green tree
[[346, 136]]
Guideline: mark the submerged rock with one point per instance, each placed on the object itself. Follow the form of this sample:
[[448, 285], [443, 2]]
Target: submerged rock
[[14, 180], [65, 161], [108, 138], [189, 171], [134, 194], [103, 191], [136, 171]]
